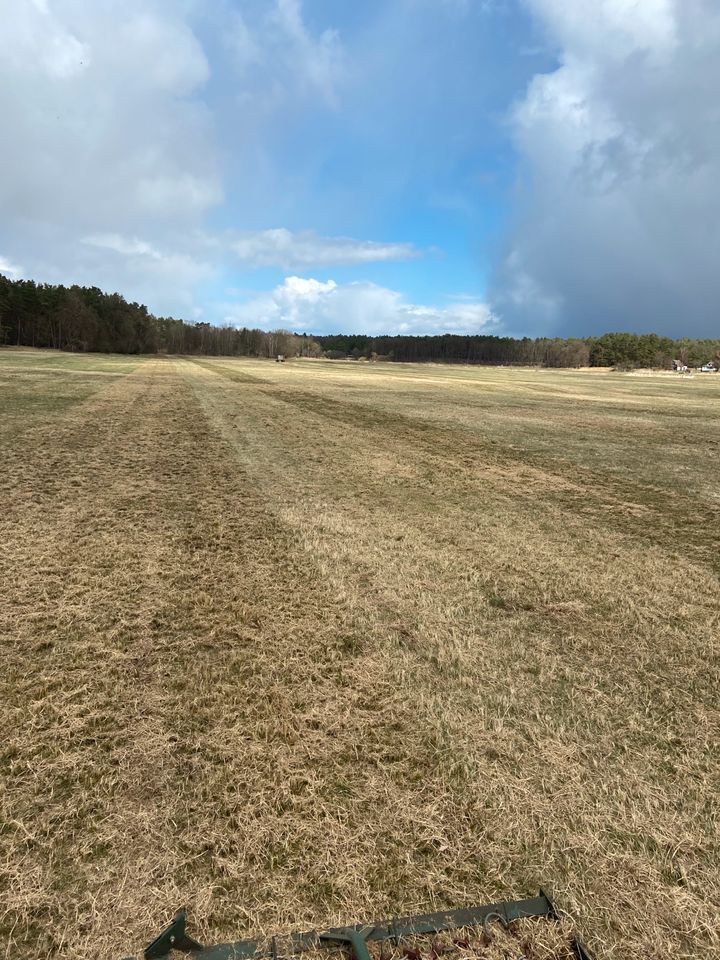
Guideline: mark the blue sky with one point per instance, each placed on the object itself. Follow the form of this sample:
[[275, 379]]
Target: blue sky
[[510, 166]]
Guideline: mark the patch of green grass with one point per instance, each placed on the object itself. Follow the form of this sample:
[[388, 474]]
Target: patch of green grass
[[39, 385]]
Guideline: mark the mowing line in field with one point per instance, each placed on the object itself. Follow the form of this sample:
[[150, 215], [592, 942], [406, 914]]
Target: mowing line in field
[[282, 646]]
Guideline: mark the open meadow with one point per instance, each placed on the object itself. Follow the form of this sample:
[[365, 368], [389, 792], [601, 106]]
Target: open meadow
[[302, 644]]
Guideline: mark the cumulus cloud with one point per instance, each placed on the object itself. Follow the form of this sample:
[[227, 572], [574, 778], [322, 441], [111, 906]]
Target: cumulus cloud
[[618, 206], [111, 133], [105, 129], [97, 121], [317, 306], [281, 247]]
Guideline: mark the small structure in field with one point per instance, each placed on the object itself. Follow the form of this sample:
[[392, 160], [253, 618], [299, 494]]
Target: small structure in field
[[679, 367], [280, 358]]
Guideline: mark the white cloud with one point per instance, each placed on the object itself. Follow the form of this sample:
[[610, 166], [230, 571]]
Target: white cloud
[[129, 247], [610, 29], [55, 52], [10, 270], [267, 248], [279, 58], [241, 42], [316, 306], [150, 264], [617, 226], [314, 61], [281, 247], [109, 132], [100, 115]]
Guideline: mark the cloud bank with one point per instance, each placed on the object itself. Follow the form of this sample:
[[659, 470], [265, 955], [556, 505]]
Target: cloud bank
[[114, 156], [148, 146], [105, 130], [618, 206], [307, 305]]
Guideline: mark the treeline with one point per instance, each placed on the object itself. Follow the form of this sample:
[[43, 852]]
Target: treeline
[[453, 348], [624, 350], [85, 318]]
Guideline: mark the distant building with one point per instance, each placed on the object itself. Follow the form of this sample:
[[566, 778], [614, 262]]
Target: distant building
[[679, 366]]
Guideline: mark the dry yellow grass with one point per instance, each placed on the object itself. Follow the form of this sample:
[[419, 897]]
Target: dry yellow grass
[[297, 645]]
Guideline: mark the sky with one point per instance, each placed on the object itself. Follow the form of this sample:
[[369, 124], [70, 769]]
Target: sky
[[521, 167]]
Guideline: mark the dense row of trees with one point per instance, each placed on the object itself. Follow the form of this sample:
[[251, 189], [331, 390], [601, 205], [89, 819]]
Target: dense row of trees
[[609, 350], [85, 318], [451, 348]]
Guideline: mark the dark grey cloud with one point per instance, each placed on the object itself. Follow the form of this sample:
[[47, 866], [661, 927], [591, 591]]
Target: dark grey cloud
[[617, 220]]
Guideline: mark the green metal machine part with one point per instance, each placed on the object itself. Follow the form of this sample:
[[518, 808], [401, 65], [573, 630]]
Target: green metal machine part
[[357, 937]]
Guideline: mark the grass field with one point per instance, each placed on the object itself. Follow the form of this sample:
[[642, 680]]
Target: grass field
[[312, 643]]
